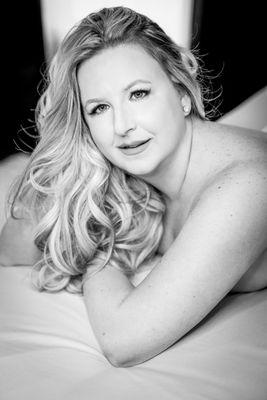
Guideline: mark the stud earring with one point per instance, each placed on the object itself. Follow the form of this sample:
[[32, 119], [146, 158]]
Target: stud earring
[[186, 109]]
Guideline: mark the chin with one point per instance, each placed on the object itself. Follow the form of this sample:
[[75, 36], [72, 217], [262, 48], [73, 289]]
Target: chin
[[141, 168]]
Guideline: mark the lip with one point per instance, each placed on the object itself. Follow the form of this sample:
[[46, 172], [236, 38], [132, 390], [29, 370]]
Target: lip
[[135, 150], [133, 144]]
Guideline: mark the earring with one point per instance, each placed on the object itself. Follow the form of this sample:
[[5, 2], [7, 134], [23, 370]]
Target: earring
[[186, 109]]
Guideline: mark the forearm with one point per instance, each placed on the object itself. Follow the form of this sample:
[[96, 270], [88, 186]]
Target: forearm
[[206, 260], [135, 324]]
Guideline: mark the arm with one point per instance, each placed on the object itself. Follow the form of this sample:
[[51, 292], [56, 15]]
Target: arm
[[17, 242], [223, 236]]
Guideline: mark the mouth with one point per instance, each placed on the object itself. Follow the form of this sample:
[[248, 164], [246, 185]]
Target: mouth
[[135, 148], [134, 144]]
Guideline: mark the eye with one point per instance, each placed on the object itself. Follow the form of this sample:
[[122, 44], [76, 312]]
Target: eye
[[139, 94], [99, 109]]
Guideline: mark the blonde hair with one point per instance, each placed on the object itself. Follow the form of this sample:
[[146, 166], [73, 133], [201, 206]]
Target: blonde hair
[[90, 213]]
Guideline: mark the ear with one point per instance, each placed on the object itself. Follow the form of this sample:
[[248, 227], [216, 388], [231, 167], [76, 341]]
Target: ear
[[186, 104]]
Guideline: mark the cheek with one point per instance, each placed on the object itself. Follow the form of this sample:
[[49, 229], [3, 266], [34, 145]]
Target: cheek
[[100, 133], [168, 118], [103, 139], [150, 116], [164, 111]]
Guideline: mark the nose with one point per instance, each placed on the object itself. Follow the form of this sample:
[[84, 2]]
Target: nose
[[123, 121]]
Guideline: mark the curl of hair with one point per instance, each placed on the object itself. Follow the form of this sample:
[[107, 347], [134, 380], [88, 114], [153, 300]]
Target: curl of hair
[[89, 212]]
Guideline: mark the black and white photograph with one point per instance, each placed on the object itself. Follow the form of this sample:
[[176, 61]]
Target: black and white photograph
[[133, 201]]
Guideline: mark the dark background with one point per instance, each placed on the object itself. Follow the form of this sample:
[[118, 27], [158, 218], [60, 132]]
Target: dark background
[[22, 65], [229, 36]]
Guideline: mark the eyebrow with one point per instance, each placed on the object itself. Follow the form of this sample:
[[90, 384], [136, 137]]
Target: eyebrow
[[98, 100]]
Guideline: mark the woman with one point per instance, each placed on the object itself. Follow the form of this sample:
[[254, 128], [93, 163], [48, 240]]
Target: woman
[[129, 172]]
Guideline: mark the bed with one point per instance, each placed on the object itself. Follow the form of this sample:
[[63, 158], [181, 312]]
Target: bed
[[48, 349]]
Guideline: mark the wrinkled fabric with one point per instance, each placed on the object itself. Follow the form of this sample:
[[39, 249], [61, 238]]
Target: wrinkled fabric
[[48, 351]]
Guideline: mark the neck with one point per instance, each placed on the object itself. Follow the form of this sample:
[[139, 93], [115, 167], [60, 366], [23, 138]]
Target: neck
[[171, 175]]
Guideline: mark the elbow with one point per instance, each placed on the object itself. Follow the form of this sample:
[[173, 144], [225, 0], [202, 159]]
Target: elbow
[[123, 356], [120, 360]]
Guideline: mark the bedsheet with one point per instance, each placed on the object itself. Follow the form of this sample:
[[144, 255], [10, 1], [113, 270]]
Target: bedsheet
[[48, 351]]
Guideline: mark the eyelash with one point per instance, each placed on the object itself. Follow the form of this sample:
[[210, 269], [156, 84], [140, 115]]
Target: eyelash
[[145, 93]]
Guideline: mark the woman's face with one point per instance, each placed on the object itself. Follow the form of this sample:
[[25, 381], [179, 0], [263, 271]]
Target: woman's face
[[132, 109]]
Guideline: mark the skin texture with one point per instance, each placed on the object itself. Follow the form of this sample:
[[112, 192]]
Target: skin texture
[[213, 179], [128, 114], [214, 230]]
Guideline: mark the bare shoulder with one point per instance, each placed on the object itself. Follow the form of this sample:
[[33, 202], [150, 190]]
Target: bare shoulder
[[245, 190], [225, 153], [247, 178], [232, 143], [247, 169], [237, 197], [247, 133], [245, 143]]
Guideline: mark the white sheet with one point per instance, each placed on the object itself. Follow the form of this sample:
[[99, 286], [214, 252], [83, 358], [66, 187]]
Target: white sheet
[[48, 351]]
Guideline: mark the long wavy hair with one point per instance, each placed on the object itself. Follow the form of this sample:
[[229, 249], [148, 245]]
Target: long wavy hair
[[88, 212]]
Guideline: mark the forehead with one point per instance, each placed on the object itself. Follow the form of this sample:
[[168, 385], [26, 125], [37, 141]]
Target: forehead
[[116, 67]]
